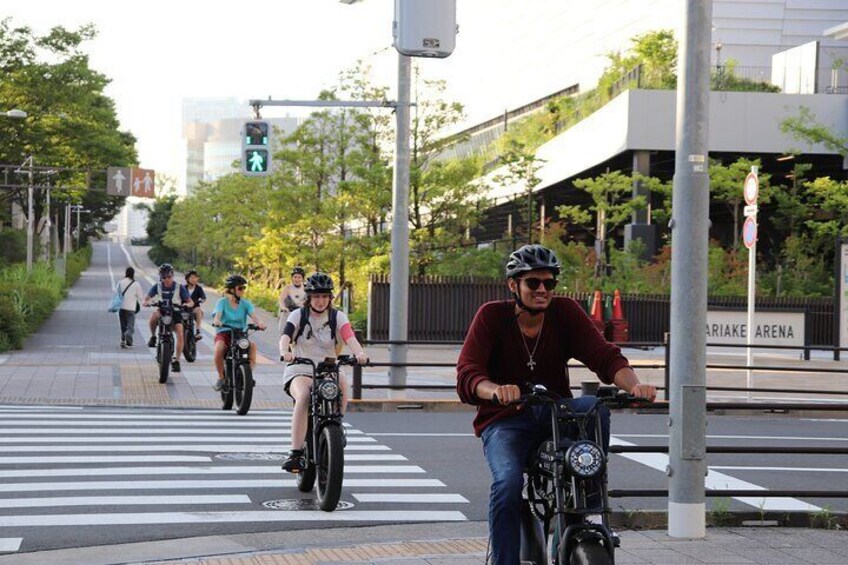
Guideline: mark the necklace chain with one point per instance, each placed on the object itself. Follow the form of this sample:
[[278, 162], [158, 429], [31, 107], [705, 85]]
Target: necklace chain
[[532, 363]]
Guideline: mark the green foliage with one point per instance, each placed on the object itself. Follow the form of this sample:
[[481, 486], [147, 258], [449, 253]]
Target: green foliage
[[728, 271], [70, 121], [724, 78], [726, 184], [158, 221], [12, 246], [805, 127], [484, 262], [655, 51]]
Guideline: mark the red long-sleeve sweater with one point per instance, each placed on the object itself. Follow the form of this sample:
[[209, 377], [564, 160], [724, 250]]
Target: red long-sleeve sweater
[[494, 350]]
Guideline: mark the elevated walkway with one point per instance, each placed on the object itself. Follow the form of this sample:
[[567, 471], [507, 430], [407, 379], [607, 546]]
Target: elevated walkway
[[740, 122]]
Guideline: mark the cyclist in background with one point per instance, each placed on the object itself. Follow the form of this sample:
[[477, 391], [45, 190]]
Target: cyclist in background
[[168, 293]]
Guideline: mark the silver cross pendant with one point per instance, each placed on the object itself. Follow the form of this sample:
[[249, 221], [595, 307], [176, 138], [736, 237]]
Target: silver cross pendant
[[531, 364]]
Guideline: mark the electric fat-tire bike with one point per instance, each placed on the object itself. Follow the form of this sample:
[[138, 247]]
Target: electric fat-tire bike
[[165, 342], [567, 482], [237, 389], [189, 339], [323, 451]]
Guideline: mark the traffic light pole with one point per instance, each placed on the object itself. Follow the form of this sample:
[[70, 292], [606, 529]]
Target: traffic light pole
[[690, 230], [30, 219]]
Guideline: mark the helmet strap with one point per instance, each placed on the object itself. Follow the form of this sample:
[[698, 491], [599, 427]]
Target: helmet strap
[[531, 311]]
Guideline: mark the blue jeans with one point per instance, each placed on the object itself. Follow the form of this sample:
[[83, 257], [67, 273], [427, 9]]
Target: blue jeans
[[507, 444]]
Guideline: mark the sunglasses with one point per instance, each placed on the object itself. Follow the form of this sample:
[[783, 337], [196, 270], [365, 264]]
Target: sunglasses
[[241, 287], [534, 283], [167, 277]]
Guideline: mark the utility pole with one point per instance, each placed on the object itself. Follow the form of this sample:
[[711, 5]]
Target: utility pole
[[30, 217], [690, 231], [79, 227], [399, 281]]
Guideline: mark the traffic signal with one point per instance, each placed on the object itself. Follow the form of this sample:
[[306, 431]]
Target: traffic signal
[[256, 148]]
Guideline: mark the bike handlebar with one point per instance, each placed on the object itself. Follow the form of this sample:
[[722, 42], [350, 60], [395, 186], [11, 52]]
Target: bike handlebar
[[339, 361], [541, 395]]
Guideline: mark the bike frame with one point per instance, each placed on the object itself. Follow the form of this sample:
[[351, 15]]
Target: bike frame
[[235, 355]]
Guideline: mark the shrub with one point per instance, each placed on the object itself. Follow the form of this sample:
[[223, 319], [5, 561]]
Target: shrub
[[13, 329], [12, 246]]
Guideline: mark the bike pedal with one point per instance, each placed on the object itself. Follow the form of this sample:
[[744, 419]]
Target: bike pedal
[[616, 539]]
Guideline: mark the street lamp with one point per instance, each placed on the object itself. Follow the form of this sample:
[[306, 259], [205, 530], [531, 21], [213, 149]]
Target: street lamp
[[15, 113]]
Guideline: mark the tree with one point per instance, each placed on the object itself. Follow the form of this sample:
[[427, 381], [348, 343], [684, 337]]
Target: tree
[[71, 123], [655, 51], [805, 127], [726, 183], [520, 175], [612, 205]]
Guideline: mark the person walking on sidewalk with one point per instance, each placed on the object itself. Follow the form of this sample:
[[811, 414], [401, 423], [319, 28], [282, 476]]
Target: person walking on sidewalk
[[232, 311], [292, 296], [529, 339], [132, 294], [314, 332]]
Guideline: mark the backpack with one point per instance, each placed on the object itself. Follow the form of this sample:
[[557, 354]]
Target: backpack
[[304, 320], [118, 298]]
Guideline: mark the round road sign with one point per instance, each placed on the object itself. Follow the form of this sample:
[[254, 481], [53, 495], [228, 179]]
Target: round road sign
[[749, 232], [752, 188]]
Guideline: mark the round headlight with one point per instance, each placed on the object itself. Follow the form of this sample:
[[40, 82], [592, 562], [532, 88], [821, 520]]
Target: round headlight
[[584, 459], [328, 390], [167, 320], [243, 343]]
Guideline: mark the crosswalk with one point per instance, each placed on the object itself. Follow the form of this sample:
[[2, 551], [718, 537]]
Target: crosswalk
[[75, 466]]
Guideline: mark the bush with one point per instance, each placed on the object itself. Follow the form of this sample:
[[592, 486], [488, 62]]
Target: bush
[[13, 330], [12, 246]]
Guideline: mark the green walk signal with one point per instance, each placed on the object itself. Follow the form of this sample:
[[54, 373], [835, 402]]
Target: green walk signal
[[256, 161], [256, 148]]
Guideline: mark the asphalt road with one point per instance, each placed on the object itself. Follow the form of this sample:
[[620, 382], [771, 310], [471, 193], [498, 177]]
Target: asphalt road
[[76, 477]]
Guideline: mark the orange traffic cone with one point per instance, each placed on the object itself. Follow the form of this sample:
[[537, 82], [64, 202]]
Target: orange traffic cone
[[617, 313], [597, 306]]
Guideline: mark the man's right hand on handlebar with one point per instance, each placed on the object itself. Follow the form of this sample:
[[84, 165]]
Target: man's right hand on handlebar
[[506, 394]]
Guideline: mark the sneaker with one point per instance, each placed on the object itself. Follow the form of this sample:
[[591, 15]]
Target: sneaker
[[198, 336], [123, 345], [219, 384], [129, 342], [175, 366], [152, 341], [295, 462]]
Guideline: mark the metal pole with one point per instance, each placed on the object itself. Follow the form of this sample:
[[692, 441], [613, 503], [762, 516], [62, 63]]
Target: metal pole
[[30, 220], [79, 229], [751, 328], [690, 230], [67, 235], [49, 226], [399, 289]]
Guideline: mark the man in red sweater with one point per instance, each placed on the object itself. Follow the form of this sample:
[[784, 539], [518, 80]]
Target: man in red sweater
[[529, 340]]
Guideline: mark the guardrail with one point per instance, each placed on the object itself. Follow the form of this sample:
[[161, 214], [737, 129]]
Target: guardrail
[[358, 384]]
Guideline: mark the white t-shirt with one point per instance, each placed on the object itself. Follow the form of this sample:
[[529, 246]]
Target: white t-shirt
[[133, 294], [316, 342]]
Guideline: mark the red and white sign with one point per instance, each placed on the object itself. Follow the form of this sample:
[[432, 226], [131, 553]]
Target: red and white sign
[[143, 183], [749, 232], [752, 188]]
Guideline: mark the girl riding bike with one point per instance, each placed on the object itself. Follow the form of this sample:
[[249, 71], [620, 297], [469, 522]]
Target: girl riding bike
[[232, 310], [313, 332]]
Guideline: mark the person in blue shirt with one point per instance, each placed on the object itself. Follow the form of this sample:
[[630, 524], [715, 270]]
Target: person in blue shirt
[[232, 311], [169, 295], [198, 297]]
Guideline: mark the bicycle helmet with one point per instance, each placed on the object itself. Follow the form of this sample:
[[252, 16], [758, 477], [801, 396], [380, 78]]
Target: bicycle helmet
[[235, 280], [532, 258], [319, 283], [298, 271], [165, 269]]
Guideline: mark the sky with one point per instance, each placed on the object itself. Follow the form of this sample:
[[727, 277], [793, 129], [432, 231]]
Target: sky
[[158, 52]]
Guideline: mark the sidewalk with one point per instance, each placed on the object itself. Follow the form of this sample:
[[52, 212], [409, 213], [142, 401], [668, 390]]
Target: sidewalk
[[451, 544]]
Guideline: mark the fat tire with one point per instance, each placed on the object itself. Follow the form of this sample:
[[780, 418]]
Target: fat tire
[[189, 346], [227, 391], [243, 385], [165, 354], [588, 552], [329, 459]]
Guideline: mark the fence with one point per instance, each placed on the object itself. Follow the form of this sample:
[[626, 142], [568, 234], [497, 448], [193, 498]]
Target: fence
[[441, 309]]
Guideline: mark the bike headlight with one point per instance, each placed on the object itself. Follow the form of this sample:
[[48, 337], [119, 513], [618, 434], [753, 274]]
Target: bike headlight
[[243, 343], [584, 459], [328, 390], [167, 320]]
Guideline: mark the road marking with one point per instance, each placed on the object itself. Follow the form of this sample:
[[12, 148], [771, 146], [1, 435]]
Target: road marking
[[793, 469], [210, 470], [716, 481], [166, 420], [804, 438], [208, 448], [105, 459], [142, 433], [406, 497], [203, 484], [159, 518], [10, 545], [132, 500]]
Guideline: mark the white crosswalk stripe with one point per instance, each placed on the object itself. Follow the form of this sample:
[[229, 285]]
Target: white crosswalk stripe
[[141, 467]]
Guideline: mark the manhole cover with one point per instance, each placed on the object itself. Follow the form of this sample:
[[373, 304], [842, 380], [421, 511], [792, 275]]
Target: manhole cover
[[301, 504], [249, 456]]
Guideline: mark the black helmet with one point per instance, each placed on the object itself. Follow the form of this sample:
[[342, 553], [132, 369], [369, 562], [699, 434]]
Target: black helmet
[[234, 281], [319, 282], [298, 271], [165, 269], [530, 258]]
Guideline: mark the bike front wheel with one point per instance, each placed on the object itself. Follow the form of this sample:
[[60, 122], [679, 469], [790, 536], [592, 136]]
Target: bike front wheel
[[189, 346], [587, 552], [165, 354], [227, 391], [243, 384], [329, 459]]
